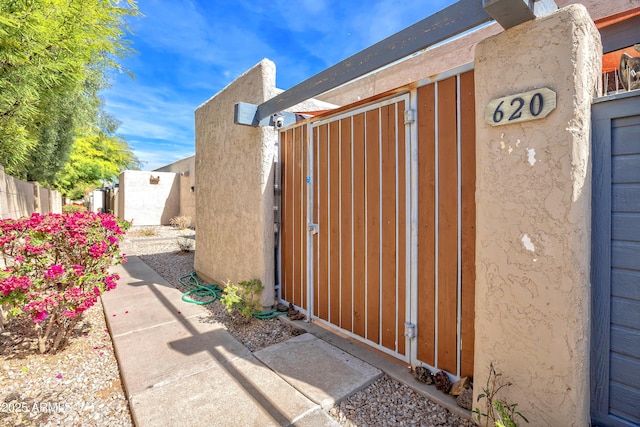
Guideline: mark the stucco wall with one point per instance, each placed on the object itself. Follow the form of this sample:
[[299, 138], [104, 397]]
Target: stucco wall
[[19, 198], [97, 201], [146, 203], [185, 168], [234, 191], [533, 218]]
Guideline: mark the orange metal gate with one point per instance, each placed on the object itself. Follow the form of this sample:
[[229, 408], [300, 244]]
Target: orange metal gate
[[390, 186], [293, 205], [446, 224], [360, 196]]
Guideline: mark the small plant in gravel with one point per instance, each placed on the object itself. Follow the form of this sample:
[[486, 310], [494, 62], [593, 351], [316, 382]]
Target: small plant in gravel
[[243, 297], [185, 244], [180, 222], [55, 267], [143, 232], [497, 411]]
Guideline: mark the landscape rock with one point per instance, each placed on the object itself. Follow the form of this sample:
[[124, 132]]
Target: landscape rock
[[460, 385], [423, 374], [465, 399], [442, 382]]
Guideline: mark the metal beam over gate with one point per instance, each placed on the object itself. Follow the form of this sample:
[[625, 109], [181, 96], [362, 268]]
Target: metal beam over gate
[[449, 22]]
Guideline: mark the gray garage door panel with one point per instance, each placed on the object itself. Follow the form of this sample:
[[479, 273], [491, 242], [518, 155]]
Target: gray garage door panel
[[615, 274]]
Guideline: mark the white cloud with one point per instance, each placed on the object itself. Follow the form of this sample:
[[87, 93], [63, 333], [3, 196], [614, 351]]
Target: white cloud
[[148, 112]]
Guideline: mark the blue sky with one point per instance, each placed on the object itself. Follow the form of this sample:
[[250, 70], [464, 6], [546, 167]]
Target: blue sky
[[188, 50]]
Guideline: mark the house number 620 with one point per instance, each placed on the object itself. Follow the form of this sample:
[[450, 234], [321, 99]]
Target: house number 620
[[531, 105]]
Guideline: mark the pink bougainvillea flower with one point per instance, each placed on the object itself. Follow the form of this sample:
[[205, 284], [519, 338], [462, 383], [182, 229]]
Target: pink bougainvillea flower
[[39, 317], [74, 294], [77, 270], [34, 250], [110, 224], [54, 271], [97, 250], [13, 283], [71, 251], [111, 281]]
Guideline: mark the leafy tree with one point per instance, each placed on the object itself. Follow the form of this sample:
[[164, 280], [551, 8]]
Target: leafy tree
[[97, 155], [55, 57]]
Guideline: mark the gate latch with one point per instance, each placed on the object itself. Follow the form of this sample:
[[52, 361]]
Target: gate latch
[[312, 228], [409, 330]]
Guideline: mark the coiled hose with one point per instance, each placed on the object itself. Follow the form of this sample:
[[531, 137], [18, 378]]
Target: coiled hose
[[213, 292]]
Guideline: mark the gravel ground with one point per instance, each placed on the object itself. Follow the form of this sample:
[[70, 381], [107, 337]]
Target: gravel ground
[[387, 402], [80, 386]]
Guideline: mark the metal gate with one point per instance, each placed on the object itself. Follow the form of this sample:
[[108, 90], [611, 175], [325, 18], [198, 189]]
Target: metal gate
[[615, 275], [360, 199], [378, 221]]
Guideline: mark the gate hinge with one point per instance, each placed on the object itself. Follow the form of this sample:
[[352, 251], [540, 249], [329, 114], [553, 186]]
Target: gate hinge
[[409, 116], [409, 330]]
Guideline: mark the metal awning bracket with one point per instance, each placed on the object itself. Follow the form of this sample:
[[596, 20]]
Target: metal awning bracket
[[247, 114], [509, 13]]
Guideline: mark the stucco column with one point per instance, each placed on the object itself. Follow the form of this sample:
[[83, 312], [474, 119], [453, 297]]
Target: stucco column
[[234, 185], [36, 197], [533, 218]]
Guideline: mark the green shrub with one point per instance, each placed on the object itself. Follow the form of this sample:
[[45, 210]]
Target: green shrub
[[243, 297], [124, 224], [497, 412]]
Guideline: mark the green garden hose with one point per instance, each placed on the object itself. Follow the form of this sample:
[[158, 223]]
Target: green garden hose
[[191, 282], [269, 314], [213, 292]]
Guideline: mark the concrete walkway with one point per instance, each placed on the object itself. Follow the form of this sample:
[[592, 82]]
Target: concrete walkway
[[180, 367]]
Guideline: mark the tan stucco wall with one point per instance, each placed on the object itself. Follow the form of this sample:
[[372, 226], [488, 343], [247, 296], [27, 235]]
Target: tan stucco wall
[[185, 168], [533, 218], [234, 191], [447, 56], [19, 198], [234, 183], [145, 203]]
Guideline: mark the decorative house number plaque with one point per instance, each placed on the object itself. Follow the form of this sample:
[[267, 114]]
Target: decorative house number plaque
[[531, 105]]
